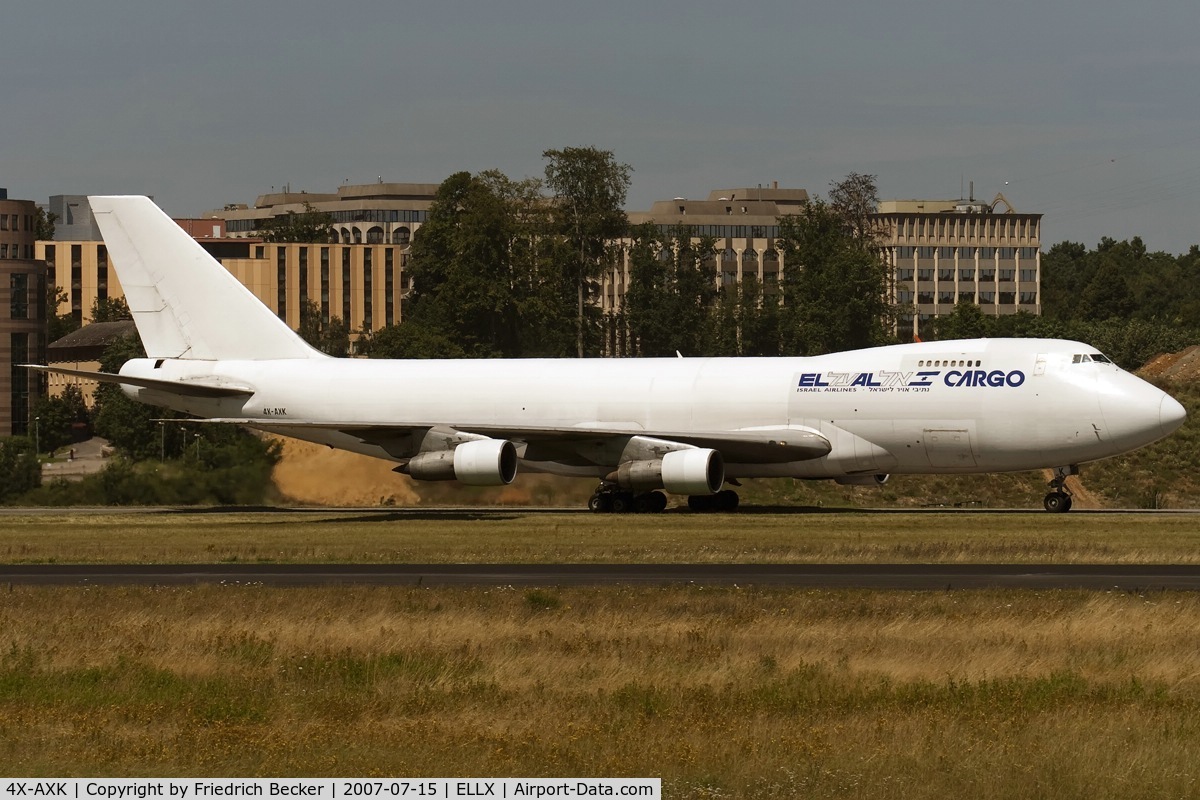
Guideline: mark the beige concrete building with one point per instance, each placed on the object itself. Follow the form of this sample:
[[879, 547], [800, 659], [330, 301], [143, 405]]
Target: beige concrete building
[[744, 222], [943, 252], [22, 326], [372, 213], [363, 285]]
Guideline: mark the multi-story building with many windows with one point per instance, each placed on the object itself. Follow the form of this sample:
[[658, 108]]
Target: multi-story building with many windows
[[363, 285], [743, 222], [941, 252], [22, 325], [945, 252]]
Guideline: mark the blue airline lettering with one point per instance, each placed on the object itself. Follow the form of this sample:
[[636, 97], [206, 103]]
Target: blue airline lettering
[[811, 379]]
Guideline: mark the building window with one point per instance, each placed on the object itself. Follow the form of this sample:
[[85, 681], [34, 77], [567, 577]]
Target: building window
[[102, 272], [1028, 298], [19, 342], [368, 284], [346, 285], [375, 235], [389, 287], [401, 236], [1028, 275], [281, 281], [325, 285], [18, 306]]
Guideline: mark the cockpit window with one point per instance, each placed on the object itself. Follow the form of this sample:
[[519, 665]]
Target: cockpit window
[[1088, 358]]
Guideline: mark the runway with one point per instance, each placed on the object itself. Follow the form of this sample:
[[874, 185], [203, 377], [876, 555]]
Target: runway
[[1119, 577]]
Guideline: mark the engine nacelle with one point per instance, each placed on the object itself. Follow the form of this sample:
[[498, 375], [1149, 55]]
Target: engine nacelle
[[482, 462], [698, 471], [695, 471], [863, 480]]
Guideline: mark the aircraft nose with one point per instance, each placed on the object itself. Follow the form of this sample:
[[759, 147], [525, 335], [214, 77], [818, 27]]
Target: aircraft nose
[[1137, 412], [1171, 414]]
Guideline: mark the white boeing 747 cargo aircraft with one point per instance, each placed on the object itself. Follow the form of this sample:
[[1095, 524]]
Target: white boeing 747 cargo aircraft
[[686, 425]]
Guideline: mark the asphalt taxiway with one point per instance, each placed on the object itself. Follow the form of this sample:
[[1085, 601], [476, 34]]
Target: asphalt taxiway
[[1120, 577]]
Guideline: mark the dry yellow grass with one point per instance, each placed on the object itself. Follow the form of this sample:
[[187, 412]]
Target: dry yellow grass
[[723, 693]]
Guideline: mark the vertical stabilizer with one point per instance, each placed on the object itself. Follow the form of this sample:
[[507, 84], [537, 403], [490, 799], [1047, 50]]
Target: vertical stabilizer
[[184, 303]]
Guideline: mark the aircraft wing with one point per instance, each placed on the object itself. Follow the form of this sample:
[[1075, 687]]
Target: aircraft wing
[[192, 388], [751, 445]]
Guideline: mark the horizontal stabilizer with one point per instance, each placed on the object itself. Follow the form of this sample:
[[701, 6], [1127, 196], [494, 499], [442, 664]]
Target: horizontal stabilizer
[[187, 388]]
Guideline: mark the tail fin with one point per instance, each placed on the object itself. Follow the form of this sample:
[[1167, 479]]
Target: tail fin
[[184, 303]]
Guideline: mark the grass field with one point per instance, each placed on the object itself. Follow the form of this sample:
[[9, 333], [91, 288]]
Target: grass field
[[501, 536], [724, 693]]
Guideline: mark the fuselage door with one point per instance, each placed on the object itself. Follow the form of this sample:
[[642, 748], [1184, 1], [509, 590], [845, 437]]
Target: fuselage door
[[949, 448]]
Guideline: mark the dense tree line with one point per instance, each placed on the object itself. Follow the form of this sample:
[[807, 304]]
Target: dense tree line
[[500, 268]]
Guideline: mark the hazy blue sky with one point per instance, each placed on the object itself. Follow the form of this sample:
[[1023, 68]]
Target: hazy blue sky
[[1088, 112]]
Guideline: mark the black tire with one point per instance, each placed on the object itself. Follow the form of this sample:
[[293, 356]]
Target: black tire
[[656, 501], [1057, 502], [600, 503], [622, 503], [727, 500]]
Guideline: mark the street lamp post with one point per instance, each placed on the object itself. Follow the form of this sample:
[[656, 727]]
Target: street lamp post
[[162, 432], [37, 436]]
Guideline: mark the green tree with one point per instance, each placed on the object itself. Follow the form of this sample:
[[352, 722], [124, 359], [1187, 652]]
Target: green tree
[[330, 335], [310, 226], [462, 270], [20, 470], [110, 309], [44, 224], [589, 188], [409, 340], [967, 321], [58, 323], [57, 418], [834, 285]]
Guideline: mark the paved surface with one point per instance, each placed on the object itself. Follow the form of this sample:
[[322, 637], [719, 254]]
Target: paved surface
[[89, 457], [1123, 577]]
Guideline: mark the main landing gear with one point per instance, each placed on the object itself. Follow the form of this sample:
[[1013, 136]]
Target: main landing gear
[[1059, 500], [610, 499]]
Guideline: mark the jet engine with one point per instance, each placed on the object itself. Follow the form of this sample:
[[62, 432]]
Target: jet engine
[[863, 480], [692, 471], [481, 462]]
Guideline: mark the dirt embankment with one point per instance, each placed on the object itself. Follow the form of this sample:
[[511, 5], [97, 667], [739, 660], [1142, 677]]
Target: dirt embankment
[[1181, 367], [312, 474]]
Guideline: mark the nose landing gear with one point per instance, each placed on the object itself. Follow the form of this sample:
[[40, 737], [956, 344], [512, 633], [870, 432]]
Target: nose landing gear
[[1059, 500]]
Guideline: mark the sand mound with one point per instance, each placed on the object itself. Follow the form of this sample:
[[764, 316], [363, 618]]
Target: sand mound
[[312, 474]]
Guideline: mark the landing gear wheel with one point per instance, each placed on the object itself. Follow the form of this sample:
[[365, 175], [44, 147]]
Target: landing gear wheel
[[656, 502], [622, 502], [1059, 499], [600, 503], [726, 500], [1057, 502]]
